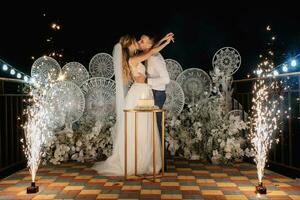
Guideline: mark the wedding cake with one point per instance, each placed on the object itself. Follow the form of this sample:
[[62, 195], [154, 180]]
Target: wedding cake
[[145, 102]]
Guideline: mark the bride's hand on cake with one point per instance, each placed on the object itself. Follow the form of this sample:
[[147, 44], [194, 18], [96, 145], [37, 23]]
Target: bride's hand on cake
[[140, 79]]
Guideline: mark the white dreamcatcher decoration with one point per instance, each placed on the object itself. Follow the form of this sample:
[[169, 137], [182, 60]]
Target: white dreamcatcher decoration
[[174, 68], [66, 102], [101, 65], [99, 97], [175, 99], [196, 85], [227, 60], [75, 72], [45, 69]]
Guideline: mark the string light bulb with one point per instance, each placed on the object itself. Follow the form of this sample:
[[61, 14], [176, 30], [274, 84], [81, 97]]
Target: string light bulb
[[26, 78], [284, 68], [5, 67], [293, 63], [12, 72]]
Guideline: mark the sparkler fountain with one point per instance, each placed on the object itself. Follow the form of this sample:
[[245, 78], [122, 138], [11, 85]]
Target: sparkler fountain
[[264, 111], [36, 133], [38, 128], [264, 120]]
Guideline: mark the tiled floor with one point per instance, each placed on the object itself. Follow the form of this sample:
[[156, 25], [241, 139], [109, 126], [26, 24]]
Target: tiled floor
[[184, 180]]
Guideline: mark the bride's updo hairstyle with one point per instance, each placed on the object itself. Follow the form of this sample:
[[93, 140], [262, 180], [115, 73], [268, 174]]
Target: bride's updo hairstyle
[[126, 41]]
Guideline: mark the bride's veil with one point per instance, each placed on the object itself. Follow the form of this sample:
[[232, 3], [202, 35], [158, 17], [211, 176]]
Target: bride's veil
[[121, 90]]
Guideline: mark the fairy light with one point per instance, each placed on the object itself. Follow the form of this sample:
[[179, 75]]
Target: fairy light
[[293, 63], [284, 68], [26, 78], [276, 73], [12, 71], [4, 67], [55, 26]]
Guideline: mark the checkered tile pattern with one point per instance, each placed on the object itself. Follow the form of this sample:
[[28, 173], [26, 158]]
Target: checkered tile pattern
[[184, 180]]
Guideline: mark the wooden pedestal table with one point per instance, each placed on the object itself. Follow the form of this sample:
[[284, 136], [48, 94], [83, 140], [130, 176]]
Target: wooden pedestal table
[[136, 111]]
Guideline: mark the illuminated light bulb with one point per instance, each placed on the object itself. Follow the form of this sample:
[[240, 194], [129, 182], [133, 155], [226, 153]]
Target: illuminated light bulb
[[5, 67], [273, 38], [19, 75], [26, 78], [293, 63], [53, 25], [276, 73], [284, 68], [12, 72]]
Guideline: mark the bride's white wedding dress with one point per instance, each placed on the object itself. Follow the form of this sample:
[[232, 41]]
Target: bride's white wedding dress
[[114, 165]]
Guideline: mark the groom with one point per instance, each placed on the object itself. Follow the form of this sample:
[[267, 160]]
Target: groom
[[157, 75]]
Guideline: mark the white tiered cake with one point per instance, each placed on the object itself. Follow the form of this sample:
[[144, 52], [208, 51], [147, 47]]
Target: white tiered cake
[[145, 102]]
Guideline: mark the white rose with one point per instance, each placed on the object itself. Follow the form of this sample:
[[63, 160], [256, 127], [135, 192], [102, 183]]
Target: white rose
[[228, 155], [222, 145], [69, 134], [78, 143], [228, 148]]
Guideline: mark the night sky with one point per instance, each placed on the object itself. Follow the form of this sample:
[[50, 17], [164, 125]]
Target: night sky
[[199, 32]]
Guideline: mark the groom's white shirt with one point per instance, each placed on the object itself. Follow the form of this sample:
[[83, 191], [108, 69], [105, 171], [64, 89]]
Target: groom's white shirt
[[157, 74]]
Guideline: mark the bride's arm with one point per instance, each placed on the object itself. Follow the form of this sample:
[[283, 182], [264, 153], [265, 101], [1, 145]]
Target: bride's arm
[[144, 56], [164, 39]]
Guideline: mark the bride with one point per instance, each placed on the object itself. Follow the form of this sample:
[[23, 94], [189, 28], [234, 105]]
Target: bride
[[128, 67]]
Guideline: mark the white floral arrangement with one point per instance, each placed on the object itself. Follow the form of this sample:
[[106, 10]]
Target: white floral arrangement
[[183, 134], [204, 131], [90, 140]]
